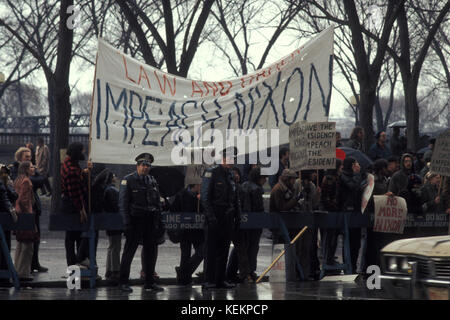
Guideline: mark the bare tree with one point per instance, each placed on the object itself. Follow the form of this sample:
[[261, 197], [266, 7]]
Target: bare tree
[[43, 28], [241, 20], [171, 28], [368, 60], [410, 72]]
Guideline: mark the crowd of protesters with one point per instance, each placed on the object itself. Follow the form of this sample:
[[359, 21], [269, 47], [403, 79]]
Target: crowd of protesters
[[221, 201]]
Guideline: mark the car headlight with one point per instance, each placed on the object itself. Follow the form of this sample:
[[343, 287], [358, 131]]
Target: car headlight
[[404, 265], [392, 264]]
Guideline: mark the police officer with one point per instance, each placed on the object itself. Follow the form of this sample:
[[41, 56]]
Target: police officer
[[222, 214], [139, 204]]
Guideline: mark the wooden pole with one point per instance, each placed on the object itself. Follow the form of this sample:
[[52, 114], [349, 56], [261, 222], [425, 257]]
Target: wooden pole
[[440, 185], [90, 134], [281, 254]]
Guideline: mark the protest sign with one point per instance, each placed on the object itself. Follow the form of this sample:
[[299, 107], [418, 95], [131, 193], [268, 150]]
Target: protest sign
[[137, 108], [440, 161], [367, 192], [321, 145], [312, 145], [298, 156], [390, 214]]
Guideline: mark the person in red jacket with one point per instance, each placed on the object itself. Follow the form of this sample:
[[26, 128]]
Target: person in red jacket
[[25, 238]]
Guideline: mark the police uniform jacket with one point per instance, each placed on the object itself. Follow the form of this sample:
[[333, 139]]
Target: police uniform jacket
[[219, 193], [139, 197]]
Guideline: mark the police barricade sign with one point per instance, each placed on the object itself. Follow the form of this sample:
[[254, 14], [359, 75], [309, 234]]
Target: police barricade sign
[[390, 214]]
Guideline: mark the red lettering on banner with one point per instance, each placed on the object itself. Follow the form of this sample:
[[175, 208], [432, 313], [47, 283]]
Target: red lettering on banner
[[222, 93], [295, 53], [142, 72], [281, 63], [381, 211], [207, 86], [163, 88], [263, 74], [126, 69], [242, 82], [198, 90]]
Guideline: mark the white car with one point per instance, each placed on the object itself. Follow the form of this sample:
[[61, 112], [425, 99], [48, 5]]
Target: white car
[[417, 268]]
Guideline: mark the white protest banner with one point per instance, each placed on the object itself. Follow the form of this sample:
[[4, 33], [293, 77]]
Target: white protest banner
[[390, 214], [440, 161], [367, 192], [137, 108]]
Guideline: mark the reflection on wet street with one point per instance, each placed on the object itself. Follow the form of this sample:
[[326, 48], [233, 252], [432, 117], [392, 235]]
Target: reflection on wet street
[[320, 290]]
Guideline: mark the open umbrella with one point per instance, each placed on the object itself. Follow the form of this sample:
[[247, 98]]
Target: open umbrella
[[363, 160], [170, 180], [401, 124]]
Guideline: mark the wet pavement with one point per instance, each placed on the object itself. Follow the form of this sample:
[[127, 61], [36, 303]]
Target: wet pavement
[[320, 290]]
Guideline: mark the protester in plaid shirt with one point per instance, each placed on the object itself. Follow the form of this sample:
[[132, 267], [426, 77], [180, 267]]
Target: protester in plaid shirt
[[72, 184], [74, 195]]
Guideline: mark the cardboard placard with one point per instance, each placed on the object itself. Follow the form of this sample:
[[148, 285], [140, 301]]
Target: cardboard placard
[[319, 140], [390, 214], [440, 161], [367, 192]]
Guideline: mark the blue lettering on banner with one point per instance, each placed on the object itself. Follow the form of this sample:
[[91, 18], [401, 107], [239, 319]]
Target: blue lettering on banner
[[132, 115], [316, 77], [269, 99], [172, 114], [300, 100], [183, 106], [330, 83], [238, 97], [123, 95], [252, 105], [145, 142], [99, 107], [137, 107]]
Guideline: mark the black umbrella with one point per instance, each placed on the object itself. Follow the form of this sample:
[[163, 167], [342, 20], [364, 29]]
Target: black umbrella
[[362, 158], [170, 180]]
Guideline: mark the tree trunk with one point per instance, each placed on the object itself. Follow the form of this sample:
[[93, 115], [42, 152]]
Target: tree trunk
[[59, 100], [412, 115], [379, 114], [366, 114]]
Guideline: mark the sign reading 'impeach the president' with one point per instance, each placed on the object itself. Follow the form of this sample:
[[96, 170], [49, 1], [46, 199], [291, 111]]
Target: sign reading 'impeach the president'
[[440, 161], [312, 145], [137, 108]]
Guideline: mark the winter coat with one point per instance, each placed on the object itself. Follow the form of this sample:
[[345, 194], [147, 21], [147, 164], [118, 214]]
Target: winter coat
[[43, 160], [399, 181], [428, 194], [330, 192], [282, 198], [351, 191], [376, 152]]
